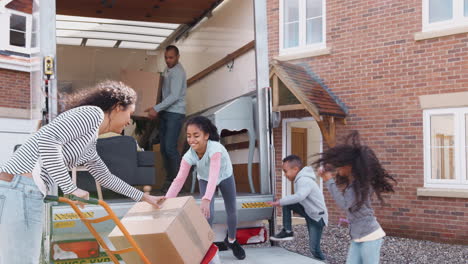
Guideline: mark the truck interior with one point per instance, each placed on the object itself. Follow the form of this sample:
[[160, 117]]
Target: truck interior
[[106, 40]]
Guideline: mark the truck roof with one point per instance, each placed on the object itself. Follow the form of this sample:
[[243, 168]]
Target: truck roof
[[174, 11]]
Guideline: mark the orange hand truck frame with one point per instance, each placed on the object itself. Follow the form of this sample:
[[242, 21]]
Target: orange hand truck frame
[[110, 216], [72, 201]]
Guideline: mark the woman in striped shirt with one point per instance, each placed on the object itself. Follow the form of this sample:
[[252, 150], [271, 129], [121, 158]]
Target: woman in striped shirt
[[45, 159]]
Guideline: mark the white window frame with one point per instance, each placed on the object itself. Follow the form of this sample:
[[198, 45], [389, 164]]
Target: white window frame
[[457, 20], [302, 30], [286, 185], [35, 15], [27, 49], [460, 181]]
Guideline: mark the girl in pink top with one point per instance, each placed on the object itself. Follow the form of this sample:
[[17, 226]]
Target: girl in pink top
[[214, 169]]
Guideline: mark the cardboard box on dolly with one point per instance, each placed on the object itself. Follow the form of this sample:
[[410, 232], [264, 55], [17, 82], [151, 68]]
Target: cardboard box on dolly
[[176, 233]]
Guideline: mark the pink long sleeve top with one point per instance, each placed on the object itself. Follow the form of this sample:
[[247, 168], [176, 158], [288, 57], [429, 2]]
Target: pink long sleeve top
[[213, 167]]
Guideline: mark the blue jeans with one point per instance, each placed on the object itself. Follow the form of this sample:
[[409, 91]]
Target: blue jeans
[[169, 132], [364, 252], [315, 228], [21, 219]]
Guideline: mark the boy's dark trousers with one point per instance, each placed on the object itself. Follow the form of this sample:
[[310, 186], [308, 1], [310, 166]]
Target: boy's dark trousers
[[169, 130], [315, 228]]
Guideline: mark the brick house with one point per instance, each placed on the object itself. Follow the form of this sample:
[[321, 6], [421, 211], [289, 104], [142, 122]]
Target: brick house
[[400, 68], [16, 44]]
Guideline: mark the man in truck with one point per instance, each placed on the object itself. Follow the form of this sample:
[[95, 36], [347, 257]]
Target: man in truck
[[171, 112]]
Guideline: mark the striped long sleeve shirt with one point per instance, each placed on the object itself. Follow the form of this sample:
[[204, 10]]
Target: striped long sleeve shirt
[[68, 141]]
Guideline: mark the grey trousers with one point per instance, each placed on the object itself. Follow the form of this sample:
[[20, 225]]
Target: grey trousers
[[228, 190]]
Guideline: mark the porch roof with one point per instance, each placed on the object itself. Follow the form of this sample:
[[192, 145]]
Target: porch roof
[[311, 92]]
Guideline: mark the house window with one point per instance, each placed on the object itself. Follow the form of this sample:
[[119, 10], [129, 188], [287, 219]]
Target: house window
[[18, 30], [302, 25], [21, 37], [446, 148], [465, 7], [441, 14]]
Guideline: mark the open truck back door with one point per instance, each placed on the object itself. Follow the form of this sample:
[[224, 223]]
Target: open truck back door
[[61, 227]]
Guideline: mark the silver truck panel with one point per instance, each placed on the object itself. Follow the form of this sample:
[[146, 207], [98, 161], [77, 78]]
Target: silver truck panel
[[66, 226]]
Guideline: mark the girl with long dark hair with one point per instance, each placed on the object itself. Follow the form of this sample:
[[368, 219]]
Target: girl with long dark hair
[[214, 169], [353, 173]]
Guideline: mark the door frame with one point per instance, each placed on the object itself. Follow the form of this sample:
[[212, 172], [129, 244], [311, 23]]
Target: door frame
[[286, 149]]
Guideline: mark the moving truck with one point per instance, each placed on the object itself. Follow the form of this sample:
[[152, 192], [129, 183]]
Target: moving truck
[[224, 50]]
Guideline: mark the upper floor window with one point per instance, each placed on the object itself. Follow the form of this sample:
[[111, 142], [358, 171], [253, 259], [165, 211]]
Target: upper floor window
[[446, 148], [442, 14], [302, 25], [20, 32]]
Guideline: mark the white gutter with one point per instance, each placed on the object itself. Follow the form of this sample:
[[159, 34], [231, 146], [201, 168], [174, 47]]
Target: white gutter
[[15, 65]]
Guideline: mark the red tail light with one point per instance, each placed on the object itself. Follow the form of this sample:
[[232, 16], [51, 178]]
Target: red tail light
[[75, 249], [255, 235]]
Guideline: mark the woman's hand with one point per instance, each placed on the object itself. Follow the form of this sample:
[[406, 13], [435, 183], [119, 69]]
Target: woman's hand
[[155, 201], [81, 194], [324, 174], [205, 208]]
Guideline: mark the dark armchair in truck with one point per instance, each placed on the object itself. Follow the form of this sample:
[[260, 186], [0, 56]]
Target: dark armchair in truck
[[123, 160]]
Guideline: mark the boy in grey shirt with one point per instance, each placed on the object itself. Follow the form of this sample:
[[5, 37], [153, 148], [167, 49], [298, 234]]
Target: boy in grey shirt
[[307, 201]]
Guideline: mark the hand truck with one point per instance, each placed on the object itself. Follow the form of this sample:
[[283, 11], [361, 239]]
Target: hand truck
[[72, 201]]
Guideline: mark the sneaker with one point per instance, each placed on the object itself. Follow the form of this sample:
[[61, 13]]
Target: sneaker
[[221, 246], [283, 236], [236, 248]]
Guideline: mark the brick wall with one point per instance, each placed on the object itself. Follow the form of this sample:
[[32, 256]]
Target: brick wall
[[14, 89], [378, 70]]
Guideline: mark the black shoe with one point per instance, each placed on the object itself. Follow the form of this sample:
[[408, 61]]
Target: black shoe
[[237, 250], [221, 246], [283, 236]]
